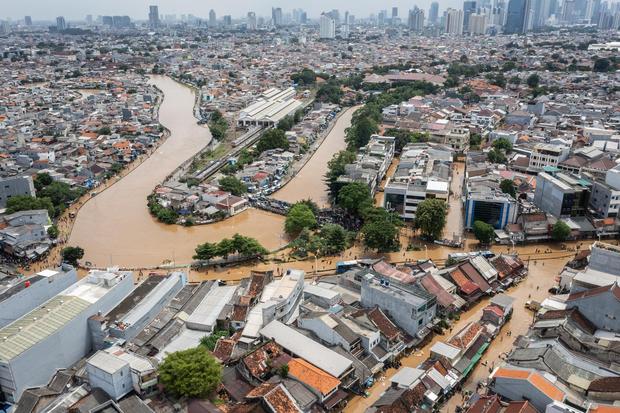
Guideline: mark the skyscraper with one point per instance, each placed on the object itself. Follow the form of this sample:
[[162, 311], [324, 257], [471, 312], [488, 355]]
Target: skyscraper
[[212, 18], [478, 23], [276, 16], [335, 15], [469, 8], [153, 16], [327, 27], [416, 20], [345, 30], [227, 19], [89, 19], [433, 13], [28, 21], [382, 17], [60, 23], [251, 21], [516, 16], [454, 21]]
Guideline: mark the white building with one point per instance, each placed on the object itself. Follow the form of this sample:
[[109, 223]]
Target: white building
[[478, 23], [545, 154], [271, 106], [118, 372], [279, 301], [55, 335], [454, 21], [327, 27], [23, 295]]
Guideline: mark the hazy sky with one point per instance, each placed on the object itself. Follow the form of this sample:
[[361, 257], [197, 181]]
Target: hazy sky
[[138, 9]]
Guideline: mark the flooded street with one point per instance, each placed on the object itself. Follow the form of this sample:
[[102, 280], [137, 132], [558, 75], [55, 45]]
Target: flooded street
[[115, 226], [309, 182], [540, 279]]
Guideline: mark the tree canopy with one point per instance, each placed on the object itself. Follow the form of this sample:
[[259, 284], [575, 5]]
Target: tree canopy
[[232, 185], [190, 373], [26, 203], [272, 139], [560, 231], [502, 144], [335, 169], [72, 255], [533, 80], [508, 187], [430, 217], [299, 216], [381, 230], [360, 132], [483, 232], [354, 197], [238, 244]]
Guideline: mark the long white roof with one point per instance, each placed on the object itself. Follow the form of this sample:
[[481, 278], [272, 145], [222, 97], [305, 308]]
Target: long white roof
[[306, 348]]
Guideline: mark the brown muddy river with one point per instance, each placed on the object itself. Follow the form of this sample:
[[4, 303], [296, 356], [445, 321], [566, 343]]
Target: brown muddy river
[[309, 182], [115, 227]]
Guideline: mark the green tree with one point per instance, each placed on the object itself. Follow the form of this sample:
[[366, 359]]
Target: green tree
[[210, 341], [190, 373], [225, 247], [232, 185], [286, 123], [602, 65], [330, 91], [272, 139], [354, 197], [300, 216], [533, 80], [359, 133], [483, 232], [430, 217], [515, 80], [27, 203], [560, 231], [335, 169], [304, 77], [206, 251], [53, 232], [72, 255], [381, 230], [496, 156], [42, 180], [502, 144], [508, 187], [334, 239]]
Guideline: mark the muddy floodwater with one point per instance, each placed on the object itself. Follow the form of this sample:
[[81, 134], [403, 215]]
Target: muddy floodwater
[[309, 182], [115, 227]]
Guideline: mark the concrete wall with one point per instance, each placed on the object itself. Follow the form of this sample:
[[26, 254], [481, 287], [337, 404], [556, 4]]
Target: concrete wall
[[116, 385], [518, 389], [29, 298], [401, 311], [37, 365], [601, 309], [19, 185], [605, 260], [322, 331]]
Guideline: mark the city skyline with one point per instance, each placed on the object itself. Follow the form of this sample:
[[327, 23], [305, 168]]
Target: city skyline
[[73, 10]]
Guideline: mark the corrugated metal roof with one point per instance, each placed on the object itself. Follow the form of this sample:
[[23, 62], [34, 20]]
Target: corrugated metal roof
[[39, 324]]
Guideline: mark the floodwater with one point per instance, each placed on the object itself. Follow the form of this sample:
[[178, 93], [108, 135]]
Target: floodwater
[[309, 182], [541, 277], [115, 227], [454, 219]]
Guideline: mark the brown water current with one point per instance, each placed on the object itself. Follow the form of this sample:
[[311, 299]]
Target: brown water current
[[115, 227], [309, 182]]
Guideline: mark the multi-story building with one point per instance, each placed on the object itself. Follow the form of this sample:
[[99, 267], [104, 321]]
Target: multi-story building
[[153, 17], [371, 164], [486, 202], [478, 23], [454, 21], [433, 13], [327, 29], [22, 295], [469, 8], [605, 197], [422, 173], [561, 195], [457, 139], [14, 186], [412, 308], [416, 19], [251, 21], [517, 16], [276, 16], [56, 335], [61, 24], [544, 154]]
